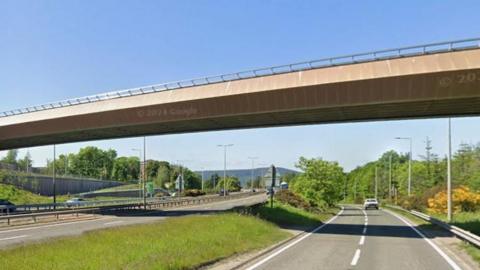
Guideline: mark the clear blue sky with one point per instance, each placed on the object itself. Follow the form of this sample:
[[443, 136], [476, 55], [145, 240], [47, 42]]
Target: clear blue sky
[[52, 50]]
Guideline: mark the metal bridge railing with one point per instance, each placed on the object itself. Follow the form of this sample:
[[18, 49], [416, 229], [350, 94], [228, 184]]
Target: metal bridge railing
[[440, 47]]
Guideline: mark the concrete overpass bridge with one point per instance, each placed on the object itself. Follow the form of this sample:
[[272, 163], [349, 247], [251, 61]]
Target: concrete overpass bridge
[[433, 80]]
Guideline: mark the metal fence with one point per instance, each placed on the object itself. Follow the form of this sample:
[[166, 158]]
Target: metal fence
[[123, 205], [440, 47]]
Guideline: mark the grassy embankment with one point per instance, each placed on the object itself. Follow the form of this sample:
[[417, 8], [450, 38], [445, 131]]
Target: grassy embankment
[[176, 243], [287, 216], [20, 196]]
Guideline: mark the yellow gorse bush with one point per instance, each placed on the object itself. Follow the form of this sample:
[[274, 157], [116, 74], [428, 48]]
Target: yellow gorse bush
[[464, 200]]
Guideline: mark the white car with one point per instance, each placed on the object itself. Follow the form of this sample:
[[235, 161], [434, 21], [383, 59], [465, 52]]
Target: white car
[[75, 202], [370, 203]]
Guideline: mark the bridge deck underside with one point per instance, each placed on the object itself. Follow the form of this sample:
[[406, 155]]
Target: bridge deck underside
[[414, 96]]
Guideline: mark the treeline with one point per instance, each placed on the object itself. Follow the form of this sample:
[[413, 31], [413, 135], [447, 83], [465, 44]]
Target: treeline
[[93, 162], [324, 183], [429, 175]]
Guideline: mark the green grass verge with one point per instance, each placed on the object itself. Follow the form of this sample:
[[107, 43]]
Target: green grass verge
[[472, 251], [118, 188], [469, 221], [176, 243], [288, 216], [20, 196], [414, 219]]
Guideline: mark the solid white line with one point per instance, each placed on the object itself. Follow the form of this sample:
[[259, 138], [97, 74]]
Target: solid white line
[[294, 243], [54, 225], [362, 240], [13, 237], [437, 249], [355, 257], [113, 222]]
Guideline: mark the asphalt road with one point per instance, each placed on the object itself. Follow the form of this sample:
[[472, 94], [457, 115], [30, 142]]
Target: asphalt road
[[358, 239], [16, 236]]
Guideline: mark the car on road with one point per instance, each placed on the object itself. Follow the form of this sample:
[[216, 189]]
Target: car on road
[[221, 193], [75, 202], [7, 206], [370, 203]]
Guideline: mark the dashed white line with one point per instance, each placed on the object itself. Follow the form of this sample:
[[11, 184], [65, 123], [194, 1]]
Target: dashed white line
[[364, 230], [362, 240], [13, 237], [293, 243], [355, 257]]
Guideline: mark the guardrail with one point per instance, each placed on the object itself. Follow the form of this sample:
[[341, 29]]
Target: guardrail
[[460, 233], [448, 46], [150, 205]]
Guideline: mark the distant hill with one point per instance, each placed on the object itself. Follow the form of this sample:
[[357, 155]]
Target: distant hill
[[244, 175]]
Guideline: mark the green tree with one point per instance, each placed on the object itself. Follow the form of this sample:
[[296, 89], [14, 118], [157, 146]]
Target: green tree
[[126, 169], [232, 184], [25, 163], [163, 174], [11, 157], [321, 182]]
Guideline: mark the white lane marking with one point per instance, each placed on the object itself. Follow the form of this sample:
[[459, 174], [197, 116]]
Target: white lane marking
[[13, 237], [362, 240], [364, 230], [295, 242], [113, 222], [53, 225], [433, 245], [355, 257]]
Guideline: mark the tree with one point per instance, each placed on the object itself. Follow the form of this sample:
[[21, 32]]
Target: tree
[[163, 174], [126, 169], [25, 163], [232, 184], [152, 169], [321, 182], [11, 157]]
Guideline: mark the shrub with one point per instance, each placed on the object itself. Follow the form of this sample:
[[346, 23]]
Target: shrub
[[194, 192], [288, 197], [412, 202], [463, 200]]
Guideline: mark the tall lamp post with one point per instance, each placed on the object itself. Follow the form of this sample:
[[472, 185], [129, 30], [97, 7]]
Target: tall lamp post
[[449, 172], [390, 177], [139, 170], [225, 166], [253, 168], [409, 163], [53, 178]]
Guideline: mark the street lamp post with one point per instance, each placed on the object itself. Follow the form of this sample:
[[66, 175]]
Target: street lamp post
[[449, 172], [390, 177], [253, 167], [203, 176], [409, 163], [53, 178], [376, 182], [139, 170], [225, 166]]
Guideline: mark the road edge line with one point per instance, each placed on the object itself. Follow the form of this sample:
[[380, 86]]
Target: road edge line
[[271, 256], [449, 260]]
